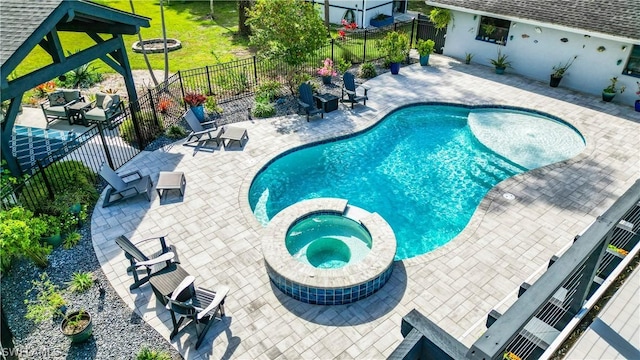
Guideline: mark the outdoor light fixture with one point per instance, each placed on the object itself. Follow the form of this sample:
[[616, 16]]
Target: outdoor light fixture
[[538, 30]]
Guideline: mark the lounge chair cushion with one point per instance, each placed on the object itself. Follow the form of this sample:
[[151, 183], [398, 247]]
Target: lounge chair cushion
[[56, 98], [95, 114], [106, 102], [56, 111], [71, 95], [100, 98]]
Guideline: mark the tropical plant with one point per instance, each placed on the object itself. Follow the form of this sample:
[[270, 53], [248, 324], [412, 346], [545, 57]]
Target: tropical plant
[[488, 29], [327, 68], [211, 105], [612, 89], [176, 132], [72, 239], [396, 46], [20, 234], [269, 90], [468, 57], [52, 225], [367, 71], [148, 354], [501, 61], [48, 299], [194, 99], [81, 281], [561, 69], [440, 17], [425, 47], [264, 110]]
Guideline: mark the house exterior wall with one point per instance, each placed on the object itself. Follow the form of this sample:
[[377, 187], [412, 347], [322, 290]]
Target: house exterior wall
[[535, 56], [364, 10]]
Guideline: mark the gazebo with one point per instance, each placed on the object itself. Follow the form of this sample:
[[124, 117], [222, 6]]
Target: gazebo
[[27, 24]]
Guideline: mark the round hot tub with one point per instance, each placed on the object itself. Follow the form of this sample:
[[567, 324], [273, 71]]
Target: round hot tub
[[324, 251], [328, 241]]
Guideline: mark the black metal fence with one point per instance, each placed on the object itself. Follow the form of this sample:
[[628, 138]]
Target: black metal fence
[[159, 108]]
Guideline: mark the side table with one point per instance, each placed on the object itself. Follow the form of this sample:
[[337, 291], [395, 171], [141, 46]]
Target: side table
[[232, 133], [170, 180], [76, 112], [327, 102], [166, 280]]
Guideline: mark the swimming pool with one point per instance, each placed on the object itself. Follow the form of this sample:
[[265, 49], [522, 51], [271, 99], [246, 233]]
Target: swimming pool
[[421, 168]]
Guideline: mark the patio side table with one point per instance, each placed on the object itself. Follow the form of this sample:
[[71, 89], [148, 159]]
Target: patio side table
[[170, 180], [327, 102], [166, 280], [76, 114], [232, 133]]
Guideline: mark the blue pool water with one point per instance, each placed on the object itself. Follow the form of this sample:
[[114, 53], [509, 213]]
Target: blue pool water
[[421, 169]]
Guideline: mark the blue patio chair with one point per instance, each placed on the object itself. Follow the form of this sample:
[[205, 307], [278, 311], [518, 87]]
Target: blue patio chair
[[306, 101], [349, 89]]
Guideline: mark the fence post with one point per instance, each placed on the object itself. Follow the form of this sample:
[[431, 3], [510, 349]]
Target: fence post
[[136, 125], [364, 47], [107, 153], [46, 180], [208, 81], [332, 56], [182, 89], [413, 23], [153, 107], [255, 69]]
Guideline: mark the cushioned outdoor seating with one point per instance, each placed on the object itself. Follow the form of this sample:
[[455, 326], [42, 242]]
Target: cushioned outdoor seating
[[153, 262], [121, 189], [202, 131], [104, 109], [203, 307], [306, 101], [55, 107], [349, 89]]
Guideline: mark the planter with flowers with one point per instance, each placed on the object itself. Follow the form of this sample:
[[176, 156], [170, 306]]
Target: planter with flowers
[[196, 103], [610, 91], [327, 71]]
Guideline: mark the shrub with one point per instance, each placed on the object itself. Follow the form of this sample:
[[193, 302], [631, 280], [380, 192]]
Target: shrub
[[48, 299], [81, 281], [295, 79], [176, 132], [211, 105], [264, 110], [60, 175], [269, 90], [367, 71], [147, 354], [20, 233], [342, 65], [71, 240]]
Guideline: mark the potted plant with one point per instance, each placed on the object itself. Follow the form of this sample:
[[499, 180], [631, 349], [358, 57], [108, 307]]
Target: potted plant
[[196, 101], [559, 71], [467, 58], [77, 326], [51, 235], [440, 17], [396, 45], [425, 48], [500, 62], [327, 71], [488, 30], [381, 20], [610, 91], [638, 100]]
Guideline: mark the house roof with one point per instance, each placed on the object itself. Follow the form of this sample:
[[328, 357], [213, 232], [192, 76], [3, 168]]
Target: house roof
[[615, 18], [23, 23]]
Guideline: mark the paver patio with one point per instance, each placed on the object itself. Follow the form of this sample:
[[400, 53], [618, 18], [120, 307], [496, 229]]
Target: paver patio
[[505, 243]]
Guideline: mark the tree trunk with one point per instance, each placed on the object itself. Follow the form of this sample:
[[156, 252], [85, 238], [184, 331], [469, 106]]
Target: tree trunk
[[243, 5], [144, 52], [164, 38], [326, 15]]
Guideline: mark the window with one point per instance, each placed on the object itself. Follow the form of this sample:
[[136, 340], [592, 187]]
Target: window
[[633, 64], [493, 30]]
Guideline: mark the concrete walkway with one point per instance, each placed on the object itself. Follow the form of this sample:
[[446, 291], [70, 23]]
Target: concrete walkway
[[505, 242]]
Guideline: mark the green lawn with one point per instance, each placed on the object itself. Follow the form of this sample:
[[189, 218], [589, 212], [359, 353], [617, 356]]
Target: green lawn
[[204, 41]]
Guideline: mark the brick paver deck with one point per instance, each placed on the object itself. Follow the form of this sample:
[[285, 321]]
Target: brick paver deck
[[505, 242]]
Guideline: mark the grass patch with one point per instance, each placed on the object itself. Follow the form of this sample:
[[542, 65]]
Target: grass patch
[[205, 41]]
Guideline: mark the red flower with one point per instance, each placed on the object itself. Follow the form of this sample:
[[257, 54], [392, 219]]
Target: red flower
[[164, 105], [194, 99], [342, 34]]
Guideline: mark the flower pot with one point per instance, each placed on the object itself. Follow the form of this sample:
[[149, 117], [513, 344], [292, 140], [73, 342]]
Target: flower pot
[[326, 79], [75, 208], [53, 240], [638, 105], [607, 96], [500, 70], [555, 81], [198, 111], [77, 326], [395, 68], [381, 22], [424, 60]]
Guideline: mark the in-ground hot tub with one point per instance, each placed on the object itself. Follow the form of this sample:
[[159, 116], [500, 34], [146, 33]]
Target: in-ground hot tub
[[324, 251]]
